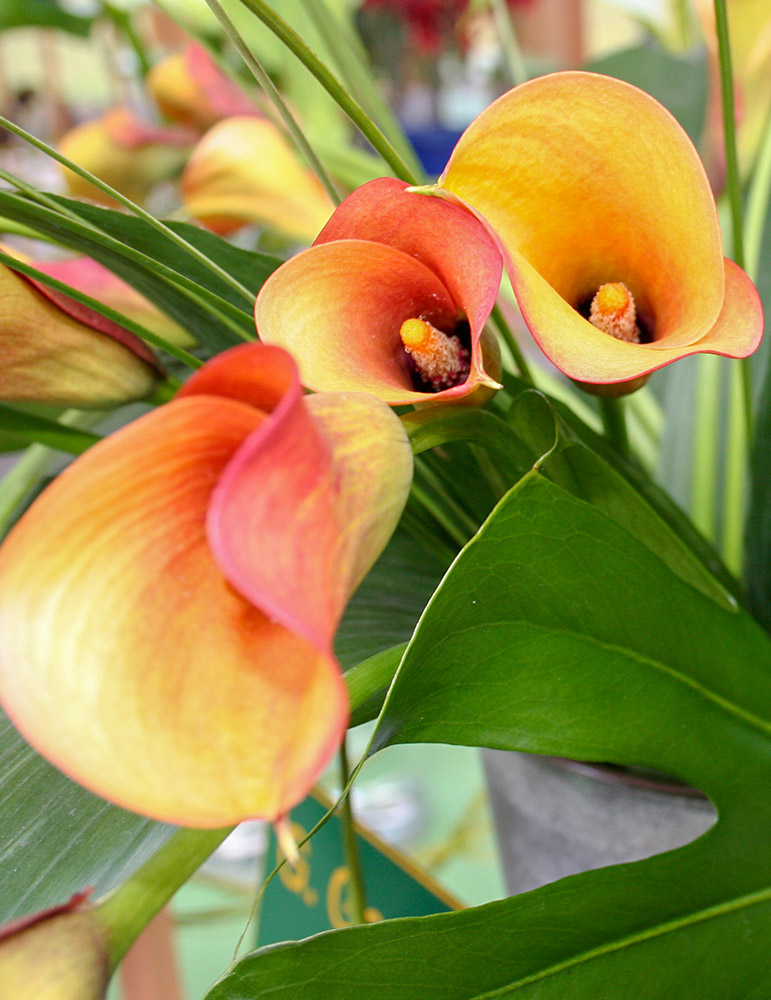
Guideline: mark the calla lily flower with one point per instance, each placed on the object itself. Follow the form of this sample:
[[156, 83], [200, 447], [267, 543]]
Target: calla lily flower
[[190, 89], [244, 171], [128, 154], [55, 350], [168, 604], [590, 184], [58, 954], [392, 299]]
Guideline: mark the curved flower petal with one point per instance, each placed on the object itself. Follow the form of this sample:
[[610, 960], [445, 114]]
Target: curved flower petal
[[243, 170], [387, 255], [89, 276], [58, 954], [120, 627], [190, 88], [588, 181], [66, 356], [128, 154]]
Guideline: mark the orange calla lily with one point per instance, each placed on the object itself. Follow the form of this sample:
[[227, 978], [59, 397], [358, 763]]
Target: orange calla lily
[[244, 170], [589, 182], [128, 154], [168, 604], [190, 88], [54, 350], [389, 282]]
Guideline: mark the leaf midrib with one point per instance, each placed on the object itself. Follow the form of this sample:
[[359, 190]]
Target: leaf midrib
[[729, 707], [660, 930]]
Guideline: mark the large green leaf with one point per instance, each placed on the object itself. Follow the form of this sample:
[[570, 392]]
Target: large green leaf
[[55, 837], [556, 631], [154, 264]]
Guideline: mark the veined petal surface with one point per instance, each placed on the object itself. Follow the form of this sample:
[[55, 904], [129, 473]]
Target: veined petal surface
[[144, 658], [586, 181], [69, 358]]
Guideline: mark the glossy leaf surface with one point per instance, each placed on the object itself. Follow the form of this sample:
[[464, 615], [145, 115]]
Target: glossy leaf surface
[[555, 631]]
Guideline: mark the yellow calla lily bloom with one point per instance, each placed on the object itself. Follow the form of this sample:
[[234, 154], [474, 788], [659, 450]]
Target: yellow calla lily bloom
[[593, 189]]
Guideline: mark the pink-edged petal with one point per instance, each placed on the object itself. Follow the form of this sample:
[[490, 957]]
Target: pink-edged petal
[[309, 500], [67, 357], [338, 308], [587, 181], [128, 659], [62, 953], [89, 276], [448, 239]]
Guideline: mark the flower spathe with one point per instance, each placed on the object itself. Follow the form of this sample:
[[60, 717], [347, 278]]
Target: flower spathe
[[58, 954], [244, 171], [123, 151], [56, 351], [386, 257], [588, 181], [167, 606], [191, 89]]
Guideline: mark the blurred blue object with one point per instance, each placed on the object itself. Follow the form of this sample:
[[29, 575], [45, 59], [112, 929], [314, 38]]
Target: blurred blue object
[[433, 146]]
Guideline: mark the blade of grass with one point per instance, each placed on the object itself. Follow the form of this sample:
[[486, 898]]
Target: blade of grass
[[263, 79], [236, 319], [358, 75], [332, 85]]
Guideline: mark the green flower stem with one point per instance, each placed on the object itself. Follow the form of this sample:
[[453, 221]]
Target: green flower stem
[[757, 205], [332, 85], [358, 75], [372, 675], [735, 494], [508, 39], [729, 129], [127, 910], [511, 342], [127, 203], [614, 423], [733, 176], [123, 22], [263, 79], [350, 847], [704, 452], [152, 338]]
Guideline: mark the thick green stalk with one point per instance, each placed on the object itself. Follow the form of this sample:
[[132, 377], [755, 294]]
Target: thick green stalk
[[358, 895], [510, 341], [614, 423], [127, 910], [735, 493], [704, 462], [263, 79], [348, 53], [508, 39], [332, 85], [733, 176]]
